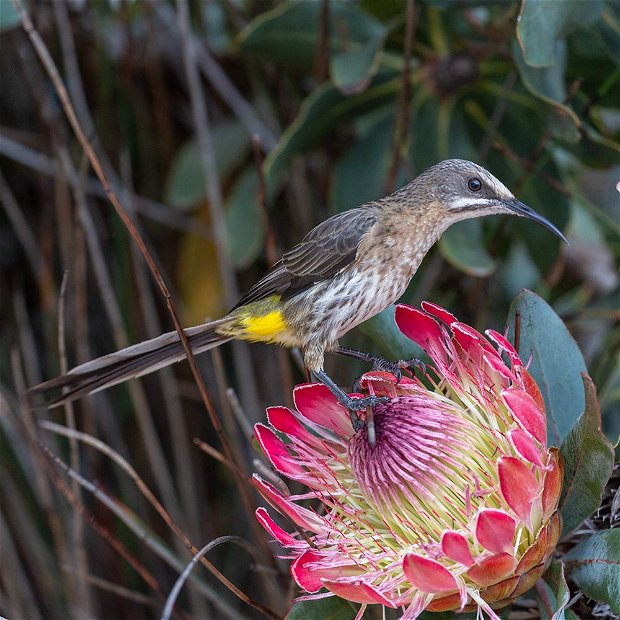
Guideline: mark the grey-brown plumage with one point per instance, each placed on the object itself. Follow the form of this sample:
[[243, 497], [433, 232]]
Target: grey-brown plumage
[[345, 270]]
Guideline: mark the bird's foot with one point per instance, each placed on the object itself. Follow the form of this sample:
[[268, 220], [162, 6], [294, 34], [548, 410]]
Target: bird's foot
[[394, 368], [354, 405], [360, 404]]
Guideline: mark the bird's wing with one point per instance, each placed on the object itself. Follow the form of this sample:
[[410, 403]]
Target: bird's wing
[[323, 252]]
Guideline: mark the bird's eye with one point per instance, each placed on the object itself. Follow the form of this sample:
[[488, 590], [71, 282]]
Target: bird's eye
[[474, 184]]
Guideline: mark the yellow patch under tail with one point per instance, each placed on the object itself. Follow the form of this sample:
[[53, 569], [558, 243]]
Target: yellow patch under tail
[[260, 321], [265, 328]]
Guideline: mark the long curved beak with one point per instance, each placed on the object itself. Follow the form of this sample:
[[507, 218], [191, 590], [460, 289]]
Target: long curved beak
[[522, 209]]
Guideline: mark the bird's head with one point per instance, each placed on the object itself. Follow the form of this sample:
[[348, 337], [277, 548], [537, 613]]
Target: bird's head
[[464, 190]]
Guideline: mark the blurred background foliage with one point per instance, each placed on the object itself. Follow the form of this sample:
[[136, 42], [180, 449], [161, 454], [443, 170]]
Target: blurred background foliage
[[299, 110]]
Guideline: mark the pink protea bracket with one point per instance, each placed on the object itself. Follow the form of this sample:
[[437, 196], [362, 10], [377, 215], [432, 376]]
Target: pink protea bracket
[[283, 537], [472, 342], [495, 530], [527, 412], [283, 420], [496, 364], [506, 346], [437, 311], [307, 577], [519, 486], [301, 516], [277, 453], [456, 547], [316, 403], [492, 569], [428, 575], [531, 387], [553, 483], [526, 446], [422, 329], [358, 592]]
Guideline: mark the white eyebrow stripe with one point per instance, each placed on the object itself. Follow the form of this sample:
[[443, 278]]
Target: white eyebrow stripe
[[466, 201]]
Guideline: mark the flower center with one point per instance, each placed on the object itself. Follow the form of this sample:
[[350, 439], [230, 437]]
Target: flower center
[[425, 472]]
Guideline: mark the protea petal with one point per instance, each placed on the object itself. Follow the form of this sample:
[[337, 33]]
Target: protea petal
[[284, 538], [283, 420], [298, 514], [526, 446], [277, 453], [456, 504], [495, 530], [519, 486], [456, 547], [316, 403], [357, 591], [307, 576], [428, 575], [552, 484], [421, 328], [492, 569], [528, 413], [531, 387], [438, 312], [505, 345]]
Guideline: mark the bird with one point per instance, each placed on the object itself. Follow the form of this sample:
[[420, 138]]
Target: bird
[[347, 269]]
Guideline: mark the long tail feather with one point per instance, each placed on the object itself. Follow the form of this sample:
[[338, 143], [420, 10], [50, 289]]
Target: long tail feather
[[134, 361]]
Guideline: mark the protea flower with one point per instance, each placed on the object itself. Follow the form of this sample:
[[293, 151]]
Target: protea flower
[[454, 507]]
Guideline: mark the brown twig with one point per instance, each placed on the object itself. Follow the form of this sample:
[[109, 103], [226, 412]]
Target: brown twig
[[113, 311], [321, 61], [84, 599]]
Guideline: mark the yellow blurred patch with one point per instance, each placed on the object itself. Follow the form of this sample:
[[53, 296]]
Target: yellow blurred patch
[[198, 275], [266, 327]]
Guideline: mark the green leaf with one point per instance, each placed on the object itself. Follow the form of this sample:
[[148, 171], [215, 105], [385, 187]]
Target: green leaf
[[552, 593], [186, 185], [594, 565], [588, 461], [462, 246], [392, 343], [332, 608], [245, 222], [290, 34], [321, 113], [517, 271], [547, 83], [361, 44], [542, 22], [556, 362], [8, 15]]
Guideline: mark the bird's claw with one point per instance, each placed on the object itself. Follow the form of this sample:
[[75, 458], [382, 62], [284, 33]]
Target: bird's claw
[[359, 404], [413, 362], [367, 403], [394, 368]]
